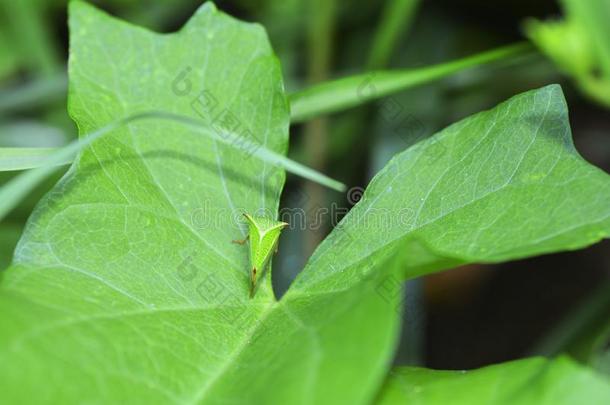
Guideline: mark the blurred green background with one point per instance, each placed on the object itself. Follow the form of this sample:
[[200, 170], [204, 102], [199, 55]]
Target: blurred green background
[[463, 318]]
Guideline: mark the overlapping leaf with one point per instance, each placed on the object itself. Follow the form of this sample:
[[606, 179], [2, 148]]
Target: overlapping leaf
[[530, 381]]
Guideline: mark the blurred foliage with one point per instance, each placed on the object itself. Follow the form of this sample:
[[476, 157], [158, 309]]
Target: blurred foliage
[[579, 44], [363, 35]]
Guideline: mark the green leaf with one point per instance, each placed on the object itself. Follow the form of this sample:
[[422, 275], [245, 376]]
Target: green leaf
[[126, 283], [500, 185], [126, 288], [395, 20], [592, 16], [347, 92], [579, 45], [530, 381]]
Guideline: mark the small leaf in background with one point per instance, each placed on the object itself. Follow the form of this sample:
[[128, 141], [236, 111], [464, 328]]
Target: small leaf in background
[[579, 45]]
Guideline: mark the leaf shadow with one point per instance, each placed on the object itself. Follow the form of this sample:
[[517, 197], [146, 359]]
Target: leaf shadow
[[72, 178]]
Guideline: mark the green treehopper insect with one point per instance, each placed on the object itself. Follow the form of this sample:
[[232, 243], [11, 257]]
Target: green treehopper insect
[[263, 234]]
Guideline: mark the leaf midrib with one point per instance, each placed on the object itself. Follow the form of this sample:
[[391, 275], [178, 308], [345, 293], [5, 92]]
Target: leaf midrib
[[229, 360]]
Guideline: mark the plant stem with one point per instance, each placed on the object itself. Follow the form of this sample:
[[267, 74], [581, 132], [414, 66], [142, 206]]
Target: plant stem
[[17, 188], [320, 44], [395, 21], [344, 93]]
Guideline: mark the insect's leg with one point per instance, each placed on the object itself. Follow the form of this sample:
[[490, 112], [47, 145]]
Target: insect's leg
[[252, 282], [241, 241]]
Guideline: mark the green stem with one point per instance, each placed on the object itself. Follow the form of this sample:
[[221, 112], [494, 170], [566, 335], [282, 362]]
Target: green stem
[[15, 159], [351, 91], [395, 20], [319, 44], [17, 188]]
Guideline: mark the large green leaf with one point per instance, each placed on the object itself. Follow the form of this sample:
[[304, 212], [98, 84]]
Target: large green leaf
[[535, 381], [125, 286], [500, 185]]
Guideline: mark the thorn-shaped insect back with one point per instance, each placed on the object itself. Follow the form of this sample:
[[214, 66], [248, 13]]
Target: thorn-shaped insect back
[[263, 234]]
